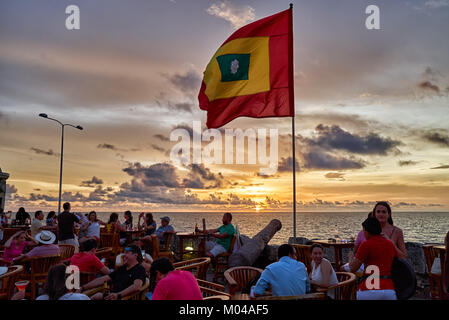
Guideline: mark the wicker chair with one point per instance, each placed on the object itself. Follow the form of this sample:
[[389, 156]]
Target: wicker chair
[[308, 296], [239, 277], [221, 261], [209, 289], [39, 267], [345, 289], [198, 266], [8, 233], [157, 253], [303, 255], [7, 281], [66, 251], [435, 279]]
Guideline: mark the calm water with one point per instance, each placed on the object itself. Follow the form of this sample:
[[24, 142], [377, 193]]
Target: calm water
[[417, 226]]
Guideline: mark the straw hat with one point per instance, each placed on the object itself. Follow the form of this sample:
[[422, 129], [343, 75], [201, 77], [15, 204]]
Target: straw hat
[[46, 237]]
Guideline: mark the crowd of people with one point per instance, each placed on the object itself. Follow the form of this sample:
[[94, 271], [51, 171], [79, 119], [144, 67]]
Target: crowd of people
[[377, 245]]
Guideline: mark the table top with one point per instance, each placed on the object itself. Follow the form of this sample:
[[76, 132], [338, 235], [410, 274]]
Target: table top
[[190, 235], [329, 243]]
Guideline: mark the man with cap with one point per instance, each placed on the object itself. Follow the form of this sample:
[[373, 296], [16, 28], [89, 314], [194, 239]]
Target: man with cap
[[46, 246], [164, 230], [127, 279], [377, 253]]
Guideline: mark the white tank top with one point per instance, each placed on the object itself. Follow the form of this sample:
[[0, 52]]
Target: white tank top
[[93, 230], [317, 276]]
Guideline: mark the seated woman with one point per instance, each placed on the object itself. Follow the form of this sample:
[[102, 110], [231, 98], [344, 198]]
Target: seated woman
[[149, 225], [114, 225], [322, 275], [56, 289], [91, 228], [51, 219], [15, 245]]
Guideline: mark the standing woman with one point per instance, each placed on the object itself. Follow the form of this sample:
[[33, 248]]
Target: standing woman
[[382, 211], [322, 275]]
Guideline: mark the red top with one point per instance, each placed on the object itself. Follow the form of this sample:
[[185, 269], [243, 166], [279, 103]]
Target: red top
[[379, 252], [177, 285], [86, 262]]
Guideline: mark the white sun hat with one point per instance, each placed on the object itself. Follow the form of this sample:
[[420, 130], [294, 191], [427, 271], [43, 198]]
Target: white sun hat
[[45, 237]]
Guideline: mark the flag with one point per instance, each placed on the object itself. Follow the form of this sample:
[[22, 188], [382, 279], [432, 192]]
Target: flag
[[251, 74]]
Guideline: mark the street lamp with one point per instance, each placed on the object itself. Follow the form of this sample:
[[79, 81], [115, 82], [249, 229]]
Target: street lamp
[[44, 115]]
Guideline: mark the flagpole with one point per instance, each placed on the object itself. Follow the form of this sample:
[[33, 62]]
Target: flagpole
[[292, 104]]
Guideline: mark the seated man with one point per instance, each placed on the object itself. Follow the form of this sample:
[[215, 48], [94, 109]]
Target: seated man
[[86, 260], [287, 277], [377, 253], [147, 259], [127, 279], [45, 247], [38, 224], [224, 237], [173, 284], [164, 230]]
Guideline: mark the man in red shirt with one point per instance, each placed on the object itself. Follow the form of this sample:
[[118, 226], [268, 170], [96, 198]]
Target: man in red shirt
[[87, 261], [377, 253], [173, 284]]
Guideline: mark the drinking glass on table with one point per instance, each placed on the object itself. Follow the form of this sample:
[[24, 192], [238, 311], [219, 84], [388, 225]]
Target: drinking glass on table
[[21, 285]]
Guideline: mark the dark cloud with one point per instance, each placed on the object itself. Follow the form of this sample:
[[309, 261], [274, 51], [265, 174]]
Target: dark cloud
[[161, 137], [322, 161], [286, 165], [40, 151], [442, 167], [159, 174], [403, 163], [333, 137], [188, 82], [437, 137], [92, 182], [156, 147], [106, 146], [335, 175], [427, 85], [200, 177]]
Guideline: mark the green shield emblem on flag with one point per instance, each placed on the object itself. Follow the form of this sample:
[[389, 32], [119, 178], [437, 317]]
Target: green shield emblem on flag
[[234, 67]]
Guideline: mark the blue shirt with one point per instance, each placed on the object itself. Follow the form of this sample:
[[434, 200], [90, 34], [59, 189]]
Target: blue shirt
[[162, 229], [287, 277]]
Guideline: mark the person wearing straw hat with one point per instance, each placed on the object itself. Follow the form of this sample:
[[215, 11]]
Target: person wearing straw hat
[[46, 246]]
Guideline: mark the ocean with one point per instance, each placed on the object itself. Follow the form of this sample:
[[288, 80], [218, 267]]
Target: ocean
[[422, 227]]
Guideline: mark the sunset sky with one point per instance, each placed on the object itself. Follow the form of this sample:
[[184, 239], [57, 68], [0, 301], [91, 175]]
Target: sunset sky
[[372, 106]]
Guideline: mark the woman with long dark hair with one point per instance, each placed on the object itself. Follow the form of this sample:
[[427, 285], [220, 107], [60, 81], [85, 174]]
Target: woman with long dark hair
[[149, 225], [56, 286]]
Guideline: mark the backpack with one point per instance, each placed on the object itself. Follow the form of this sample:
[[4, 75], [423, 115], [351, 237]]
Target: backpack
[[404, 279]]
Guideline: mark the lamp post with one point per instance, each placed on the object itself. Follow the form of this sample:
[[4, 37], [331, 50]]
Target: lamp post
[[44, 115]]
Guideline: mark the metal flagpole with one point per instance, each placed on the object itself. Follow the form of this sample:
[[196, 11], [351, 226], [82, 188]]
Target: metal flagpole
[[292, 101]]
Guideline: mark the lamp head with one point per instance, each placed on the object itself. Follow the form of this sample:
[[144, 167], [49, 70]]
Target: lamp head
[[79, 127], [43, 115]]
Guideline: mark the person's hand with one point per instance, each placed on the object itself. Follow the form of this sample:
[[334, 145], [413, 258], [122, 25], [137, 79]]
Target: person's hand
[[111, 296], [141, 214]]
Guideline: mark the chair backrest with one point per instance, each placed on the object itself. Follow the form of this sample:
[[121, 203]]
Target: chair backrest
[[430, 255], [8, 233], [308, 296], [218, 297], [140, 295], [197, 266], [303, 254], [239, 277], [231, 247], [166, 247], [110, 240], [8, 279], [39, 266], [345, 289], [66, 251]]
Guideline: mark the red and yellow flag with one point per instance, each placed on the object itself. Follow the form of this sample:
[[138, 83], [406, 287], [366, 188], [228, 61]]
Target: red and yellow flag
[[251, 74]]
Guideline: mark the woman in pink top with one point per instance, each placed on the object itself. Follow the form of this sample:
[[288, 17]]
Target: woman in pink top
[[15, 245]]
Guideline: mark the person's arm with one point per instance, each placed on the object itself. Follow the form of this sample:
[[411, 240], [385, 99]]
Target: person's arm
[[263, 283], [105, 270], [85, 226], [95, 283], [326, 271], [224, 235], [400, 248], [31, 239], [135, 287]]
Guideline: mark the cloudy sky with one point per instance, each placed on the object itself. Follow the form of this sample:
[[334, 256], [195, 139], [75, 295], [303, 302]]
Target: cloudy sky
[[371, 106]]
